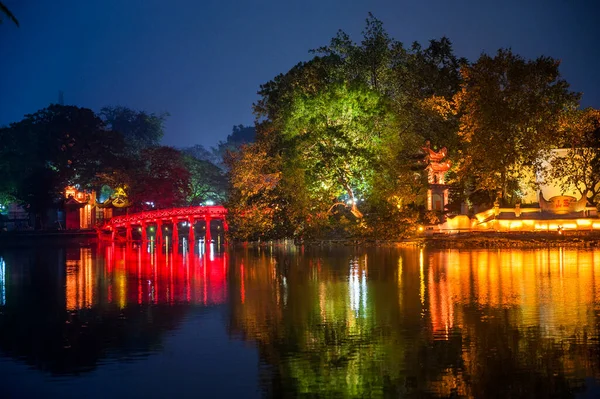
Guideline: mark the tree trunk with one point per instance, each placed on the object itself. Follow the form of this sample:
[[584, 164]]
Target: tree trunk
[[354, 209]]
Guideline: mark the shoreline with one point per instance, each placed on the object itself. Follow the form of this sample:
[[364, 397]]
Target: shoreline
[[514, 240], [467, 240]]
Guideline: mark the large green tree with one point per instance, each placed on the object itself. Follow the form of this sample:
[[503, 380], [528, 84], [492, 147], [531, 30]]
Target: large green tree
[[344, 128], [510, 109], [333, 136]]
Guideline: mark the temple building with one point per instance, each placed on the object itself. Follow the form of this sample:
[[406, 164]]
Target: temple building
[[547, 208], [437, 191], [83, 211]]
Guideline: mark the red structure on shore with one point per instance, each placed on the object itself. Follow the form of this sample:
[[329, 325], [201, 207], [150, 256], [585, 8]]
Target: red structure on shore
[[437, 192], [161, 219]]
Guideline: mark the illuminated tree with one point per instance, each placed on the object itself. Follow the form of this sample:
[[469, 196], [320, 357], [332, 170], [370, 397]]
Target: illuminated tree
[[333, 135], [578, 168], [510, 109], [253, 202], [345, 127]]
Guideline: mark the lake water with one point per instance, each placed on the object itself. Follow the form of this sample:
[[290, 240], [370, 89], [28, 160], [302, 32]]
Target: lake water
[[116, 321]]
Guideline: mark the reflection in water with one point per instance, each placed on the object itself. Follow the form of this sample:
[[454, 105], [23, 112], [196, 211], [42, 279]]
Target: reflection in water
[[337, 322], [466, 323], [357, 286], [123, 276], [66, 309], [2, 282]]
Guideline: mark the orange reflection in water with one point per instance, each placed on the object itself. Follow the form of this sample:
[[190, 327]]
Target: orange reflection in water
[[80, 278], [125, 275], [552, 288]]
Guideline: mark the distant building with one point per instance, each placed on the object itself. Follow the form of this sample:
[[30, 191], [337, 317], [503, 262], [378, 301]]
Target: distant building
[[83, 211], [545, 208], [15, 217]]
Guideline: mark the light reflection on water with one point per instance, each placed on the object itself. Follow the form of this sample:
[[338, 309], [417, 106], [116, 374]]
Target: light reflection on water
[[336, 322]]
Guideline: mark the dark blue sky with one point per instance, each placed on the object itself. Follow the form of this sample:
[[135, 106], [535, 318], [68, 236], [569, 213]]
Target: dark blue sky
[[203, 60]]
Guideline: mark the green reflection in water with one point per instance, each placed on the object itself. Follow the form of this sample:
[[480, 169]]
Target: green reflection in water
[[332, 322], [407, 322]]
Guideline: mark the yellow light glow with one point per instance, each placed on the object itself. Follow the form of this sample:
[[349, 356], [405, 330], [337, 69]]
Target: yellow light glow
[[421, 277], [516, 225]]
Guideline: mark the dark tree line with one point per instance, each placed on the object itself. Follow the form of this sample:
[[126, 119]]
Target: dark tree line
[[62, 146]]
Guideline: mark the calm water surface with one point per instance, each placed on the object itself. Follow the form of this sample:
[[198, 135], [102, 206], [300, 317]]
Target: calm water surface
[[115, 321]]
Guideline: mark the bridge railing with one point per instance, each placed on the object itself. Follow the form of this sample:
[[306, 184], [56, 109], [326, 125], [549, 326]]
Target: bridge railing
[[217, 212]]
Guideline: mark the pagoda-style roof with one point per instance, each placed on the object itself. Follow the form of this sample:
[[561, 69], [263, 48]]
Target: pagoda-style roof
[[73, 202], [439, 167], [432, 155], [114, 202], [118, 199]]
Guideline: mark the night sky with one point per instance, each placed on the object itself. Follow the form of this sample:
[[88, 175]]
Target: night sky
[[203, 61]]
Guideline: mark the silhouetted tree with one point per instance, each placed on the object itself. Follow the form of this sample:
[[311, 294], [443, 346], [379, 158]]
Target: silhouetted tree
[[4, 10]]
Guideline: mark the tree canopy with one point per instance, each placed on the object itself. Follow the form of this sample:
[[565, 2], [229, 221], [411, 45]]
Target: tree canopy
[[576, 168], [340, 132], [343, 134], [512, 105], [62, 146], [139, 129], [53, 148]]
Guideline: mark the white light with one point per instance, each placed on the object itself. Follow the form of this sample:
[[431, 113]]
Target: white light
[[209, 203], [2, 282]]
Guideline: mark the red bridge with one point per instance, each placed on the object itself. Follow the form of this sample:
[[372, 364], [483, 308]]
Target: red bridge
[[162, 219]]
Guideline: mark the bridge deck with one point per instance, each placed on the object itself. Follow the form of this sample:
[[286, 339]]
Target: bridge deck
[[188, 213]]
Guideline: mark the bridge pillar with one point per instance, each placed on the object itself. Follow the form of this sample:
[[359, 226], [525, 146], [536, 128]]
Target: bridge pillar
[[191, 236], [207, 236], [113, 234], [144, 232], [159, 232], [175, 232], [128, 235]]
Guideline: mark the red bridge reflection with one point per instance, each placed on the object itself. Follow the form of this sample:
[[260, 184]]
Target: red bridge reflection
[[126, 275]]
